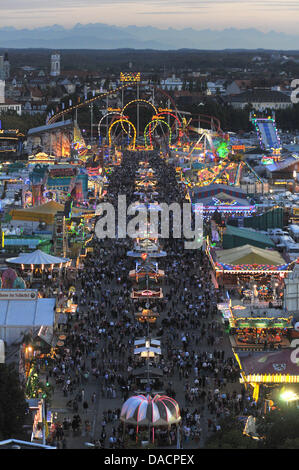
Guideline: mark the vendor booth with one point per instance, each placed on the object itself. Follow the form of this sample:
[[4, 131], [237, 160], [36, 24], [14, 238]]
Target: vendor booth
[[147, 348], [268, 369], [148, 377], [256, 328], [149, 269]]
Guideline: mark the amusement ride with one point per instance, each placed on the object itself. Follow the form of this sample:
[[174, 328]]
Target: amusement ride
[[151, 119]]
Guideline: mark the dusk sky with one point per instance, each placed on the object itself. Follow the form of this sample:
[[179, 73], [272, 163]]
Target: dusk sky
[[265, 15]]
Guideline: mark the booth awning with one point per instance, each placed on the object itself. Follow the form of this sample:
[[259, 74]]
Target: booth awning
[[264, 363]]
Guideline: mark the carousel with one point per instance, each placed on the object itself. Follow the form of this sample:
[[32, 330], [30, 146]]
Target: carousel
[[37, 263], [153, 415]]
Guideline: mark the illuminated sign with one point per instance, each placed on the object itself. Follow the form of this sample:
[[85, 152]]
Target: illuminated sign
[[114, 110], [165, 110], [12, 131], [267, 161], [217, 202], [130, 77]]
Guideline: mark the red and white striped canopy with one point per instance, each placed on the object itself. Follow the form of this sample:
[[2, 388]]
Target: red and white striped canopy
[[141, 410]]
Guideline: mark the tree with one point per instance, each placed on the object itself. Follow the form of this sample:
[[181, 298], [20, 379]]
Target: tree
[[12, 403], [278, 429], [11, 120], [231, 437], [281, 428]]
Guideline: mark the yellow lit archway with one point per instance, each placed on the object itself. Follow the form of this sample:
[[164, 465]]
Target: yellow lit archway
[[130, 123]]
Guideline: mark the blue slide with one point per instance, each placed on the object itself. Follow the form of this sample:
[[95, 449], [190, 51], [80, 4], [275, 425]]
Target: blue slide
[[268, 134]]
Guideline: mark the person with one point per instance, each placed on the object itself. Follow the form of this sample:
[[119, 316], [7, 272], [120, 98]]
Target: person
[[85, 406], [101, 330], [103, 437]]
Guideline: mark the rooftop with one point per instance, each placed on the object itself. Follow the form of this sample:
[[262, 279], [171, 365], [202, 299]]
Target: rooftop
[[260, 96]]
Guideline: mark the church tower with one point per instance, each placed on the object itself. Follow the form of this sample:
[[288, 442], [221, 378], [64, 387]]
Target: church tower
[[55, 64], [6, 67]]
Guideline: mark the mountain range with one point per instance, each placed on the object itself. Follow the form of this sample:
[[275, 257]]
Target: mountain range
[[104, 36]]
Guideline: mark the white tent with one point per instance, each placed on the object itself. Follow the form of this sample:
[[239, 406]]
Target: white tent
[[19, 316], [37, 257]]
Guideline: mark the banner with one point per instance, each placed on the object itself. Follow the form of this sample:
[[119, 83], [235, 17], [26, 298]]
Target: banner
[[18, 294]]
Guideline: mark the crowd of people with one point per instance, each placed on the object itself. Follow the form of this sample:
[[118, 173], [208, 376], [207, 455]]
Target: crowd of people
[[198, 366]]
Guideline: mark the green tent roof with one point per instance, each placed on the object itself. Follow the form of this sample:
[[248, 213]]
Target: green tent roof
[[234, 236]]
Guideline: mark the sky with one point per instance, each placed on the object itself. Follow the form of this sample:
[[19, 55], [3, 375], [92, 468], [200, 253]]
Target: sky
[[265, 15]]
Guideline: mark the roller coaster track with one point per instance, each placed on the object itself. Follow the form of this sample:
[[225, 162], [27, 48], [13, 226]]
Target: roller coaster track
[[104, 95], [86, 103]]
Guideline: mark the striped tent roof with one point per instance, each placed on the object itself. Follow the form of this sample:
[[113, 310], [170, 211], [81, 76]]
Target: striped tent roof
[[141, 410]]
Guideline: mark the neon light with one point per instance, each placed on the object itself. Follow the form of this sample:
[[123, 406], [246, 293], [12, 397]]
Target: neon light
[[151, 130], [130, 77], [223, 150], [168, 112], [121, 121], [138, 101], [224, 203], [115, 112]]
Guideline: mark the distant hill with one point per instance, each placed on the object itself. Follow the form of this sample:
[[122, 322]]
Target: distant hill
[[103, 36]]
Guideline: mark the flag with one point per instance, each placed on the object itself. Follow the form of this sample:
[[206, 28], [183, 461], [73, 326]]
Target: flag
[[70, 102], [93, 92], [63, 105]]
